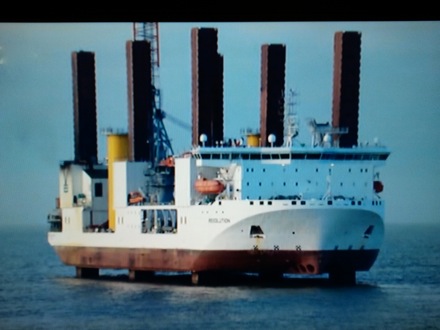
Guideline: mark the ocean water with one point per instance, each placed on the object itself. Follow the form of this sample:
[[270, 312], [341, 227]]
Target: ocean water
[[401, 291]]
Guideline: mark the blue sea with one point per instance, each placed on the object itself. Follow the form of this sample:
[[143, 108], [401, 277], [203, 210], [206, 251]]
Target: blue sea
[[401, 291]]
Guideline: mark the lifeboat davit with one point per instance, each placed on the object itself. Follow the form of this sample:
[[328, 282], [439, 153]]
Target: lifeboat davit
[[209, 187]]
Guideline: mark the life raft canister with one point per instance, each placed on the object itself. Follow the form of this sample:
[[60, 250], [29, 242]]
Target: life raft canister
[[378, 186]]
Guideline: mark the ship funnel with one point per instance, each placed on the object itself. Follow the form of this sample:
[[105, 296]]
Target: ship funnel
[[253, 139], [117, 150]]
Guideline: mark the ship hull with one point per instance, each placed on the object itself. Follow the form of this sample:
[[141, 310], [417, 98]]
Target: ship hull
[[306, 240], [289, 262]]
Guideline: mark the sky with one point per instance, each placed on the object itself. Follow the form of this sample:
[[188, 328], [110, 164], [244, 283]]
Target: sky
[[399, 98]]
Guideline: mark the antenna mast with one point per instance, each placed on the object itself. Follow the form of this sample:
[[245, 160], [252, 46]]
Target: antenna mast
[[292, 128]]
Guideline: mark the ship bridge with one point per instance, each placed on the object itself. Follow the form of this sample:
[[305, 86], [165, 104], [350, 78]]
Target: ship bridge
[[276, 153], [304, 172]]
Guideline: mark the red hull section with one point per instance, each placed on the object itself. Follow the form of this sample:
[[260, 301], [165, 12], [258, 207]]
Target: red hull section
[[293, 262]]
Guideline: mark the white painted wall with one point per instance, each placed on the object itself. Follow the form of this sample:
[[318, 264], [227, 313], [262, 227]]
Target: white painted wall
[[186, 174]]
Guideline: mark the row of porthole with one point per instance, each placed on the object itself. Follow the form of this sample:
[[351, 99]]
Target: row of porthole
[[362, 170], [295, 156], [302, 202], [309, 181]]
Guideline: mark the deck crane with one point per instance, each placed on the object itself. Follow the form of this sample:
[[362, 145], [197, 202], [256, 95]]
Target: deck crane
[[149, 31], [159, 174]]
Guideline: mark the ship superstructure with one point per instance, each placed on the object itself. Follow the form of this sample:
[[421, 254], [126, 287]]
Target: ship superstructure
[[236, 206]]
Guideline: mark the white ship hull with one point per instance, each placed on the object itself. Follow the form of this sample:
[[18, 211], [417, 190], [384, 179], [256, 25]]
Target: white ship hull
[[305, 239]]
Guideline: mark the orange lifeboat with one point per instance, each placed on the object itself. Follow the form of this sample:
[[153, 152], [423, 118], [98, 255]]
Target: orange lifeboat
[[168, 162], [135, 197], [209, 187]]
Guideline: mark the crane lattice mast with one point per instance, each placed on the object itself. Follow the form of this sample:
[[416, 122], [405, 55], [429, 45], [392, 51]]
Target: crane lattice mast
[[149, 31]]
